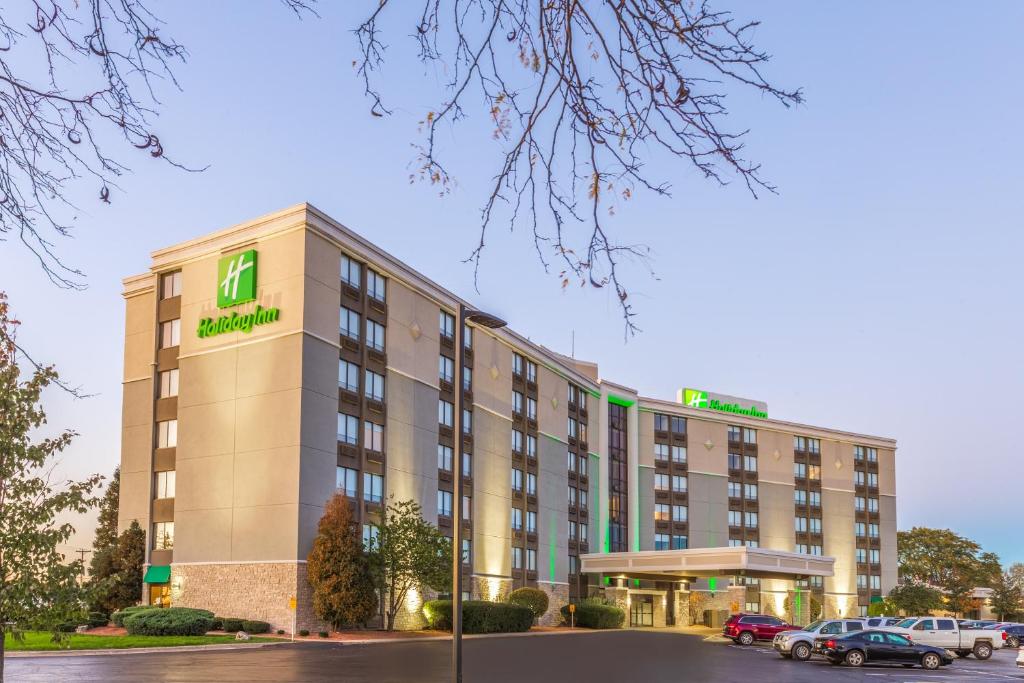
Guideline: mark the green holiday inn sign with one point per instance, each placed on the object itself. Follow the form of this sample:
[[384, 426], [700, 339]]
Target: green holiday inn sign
[[236, 284], [698, 398]]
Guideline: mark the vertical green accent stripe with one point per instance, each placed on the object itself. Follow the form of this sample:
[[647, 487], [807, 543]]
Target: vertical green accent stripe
[[712, 582]]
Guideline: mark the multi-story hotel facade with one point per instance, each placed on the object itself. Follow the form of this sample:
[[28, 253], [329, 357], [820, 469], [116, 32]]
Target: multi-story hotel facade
[[270, 365]]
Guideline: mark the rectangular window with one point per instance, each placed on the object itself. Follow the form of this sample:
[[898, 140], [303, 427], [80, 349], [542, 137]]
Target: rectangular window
[[351, 272], [814, 445], [467, 379], [799, 443], [872, 480], [679, 513], [679, 483], [583, 532], [749, 435], [467, 551], [167, 434], [348, 376], [531, 446], [750, 491], [517, 480], [163, 536], [678, 425], [862, 556], [815, 525], [517, 558], [662, 512], [800, 496], [374, 386], [531, 522], [800, 548], [661, 452], [467, 508], [583, 465], [371, 532], [467, 464], [517, 365], [570, 459], [799, 470], [517, 402], [735, 518], [376, 285], [531, 409], [660, 422], [447, 323], [875, 556], [750, 463], [872, 455], [531, 560], [444, 457], [873, 530], [373, 436], [517, 441], [444, 503], [467, 421], [170, 285], [735, 461], [662, 541], [168, 383], [876, 584], [858, 452], [735, 489], [445, 413], [517, 519], [445, 369], [862, 581], [572, 496], [467, 337], [661, 482], [170, 333], [734, 434], [374, 335], [800, 524], [164, 485], [679, 454], [859, 504], [347, 481], [815, 499], [814, 472], [858, 478], [572, 530], [816, 550], [531, 371], [373, 487], [583, 498], [349, 325], [750, 520], [860, 529], [572, 428], [348, 429], [679, 542], [872, 505], [531, 484]]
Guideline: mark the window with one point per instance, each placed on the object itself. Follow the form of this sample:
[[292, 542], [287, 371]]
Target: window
[[467, 421], [445, 369], [163, 536], [816, 550], [376, 285], [517, 403], [583, 400], [661, 452], [858, 478], [679, 483], [749, 435], [799, 470], [862, 581], [876, 583], [447, 323], [814, 445], [347, 481], [814, 472], [467, 379], [517, 519], [170, 285], [531, 522], [170, 333], [348, 375], [873, 530], [661, 541], [531, 371], [872, 505], [859, 504], [858, 452], [872, 480], [753, 607], [583, 532], [373, 436], [750, 463], [570, 460], [751, 544], [678, 425], [800, 497], [373, 487], [351, 271], [735, 543], [734, 434], [169, 383], [734, 461], [860, 529], [375, 335], [735, 489], [371, 532], [660, 422], [750, 520], [662, 512], [583, 499], [517, 441], [517, 480], [531, 484], [572, 530], [467, 464], [444, 503], [800, 548], [815, 499], [872, 455], [800, 524], [349, 325], [750, 491], [164, 485], [444, 457], [374, 386], [679, 454], [572, 428], [467, 508], [572, 496], [661, 482], [167, 434], [679, 513], [583, 465], [348, 429], [531, 409], [531, 446], [815, 523], [799, 443], [875, 556], [517, 558], [735, 518], [517, 365], [445, 413], [679, 542], [467, 554], [531, 560], [467, 337], [862, 556]]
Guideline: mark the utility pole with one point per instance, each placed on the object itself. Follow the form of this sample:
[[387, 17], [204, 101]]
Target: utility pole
[[82, 552]]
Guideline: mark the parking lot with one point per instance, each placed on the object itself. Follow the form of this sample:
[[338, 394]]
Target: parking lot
[[620, 656]]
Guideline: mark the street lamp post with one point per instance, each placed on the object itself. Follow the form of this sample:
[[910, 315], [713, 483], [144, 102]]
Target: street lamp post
[[480, 319]]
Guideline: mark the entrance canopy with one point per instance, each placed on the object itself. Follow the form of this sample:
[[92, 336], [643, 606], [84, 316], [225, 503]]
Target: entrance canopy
[[696, 563], [157, 573]]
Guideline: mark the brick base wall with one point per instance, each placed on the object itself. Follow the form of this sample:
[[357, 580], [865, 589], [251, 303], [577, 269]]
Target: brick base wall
[[558, 596]]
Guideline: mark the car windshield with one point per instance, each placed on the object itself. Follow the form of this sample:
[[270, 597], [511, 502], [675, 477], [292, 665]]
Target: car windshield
[[814, 626], [906, 623]]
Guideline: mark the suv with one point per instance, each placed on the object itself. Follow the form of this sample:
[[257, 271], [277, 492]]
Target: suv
[[798, 644], [746, 628]]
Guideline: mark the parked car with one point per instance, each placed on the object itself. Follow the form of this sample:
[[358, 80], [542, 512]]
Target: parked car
[[798, 644], [976, 623], [745, 628], [1014, 635], [947, 633], [877, 622], [856, 649]]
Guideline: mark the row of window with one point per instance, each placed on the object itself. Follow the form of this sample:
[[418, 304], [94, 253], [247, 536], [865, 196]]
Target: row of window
[[746, 519], [807, 525], [861, 529], [864, 555], [580, 498], [860, 477], [519, 362], [350, 326], [517, 520], [577, 396], [444, 505], [348, 379], [373, 484], [446, 416], [861, 504], [446, 373], [803, 497], [675, 483], [531, 559], [577, 463], [801, 443], [808, 549], [577, 429], [517, 482], [663, 512], [578, 531], [875, 581], [744, 434], [862, 453], [740, 543], [669, 423], [663, 452], [531, 405], [669, 542], [447, 325], [743, 462], [517, 443], [738, 490], [351, 275], [348, 433], [805, 471], [444, 460]]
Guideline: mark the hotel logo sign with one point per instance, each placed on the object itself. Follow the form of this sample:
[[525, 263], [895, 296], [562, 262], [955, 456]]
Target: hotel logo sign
[[236, 284], [705, 400]]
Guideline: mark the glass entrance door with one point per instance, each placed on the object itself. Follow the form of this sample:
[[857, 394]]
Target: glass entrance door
[[641, 610]]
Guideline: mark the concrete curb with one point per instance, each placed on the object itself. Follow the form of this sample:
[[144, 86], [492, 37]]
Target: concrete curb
[[18, 654], [434, 639]]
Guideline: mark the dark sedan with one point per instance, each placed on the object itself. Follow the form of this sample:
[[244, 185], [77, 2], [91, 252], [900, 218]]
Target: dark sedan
[[870, 647]]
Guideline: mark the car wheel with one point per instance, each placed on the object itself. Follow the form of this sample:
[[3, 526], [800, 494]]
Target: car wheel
[[931, 661], [802, 651], [746, 638], [854, 658], [982, 650], [1013, 642]]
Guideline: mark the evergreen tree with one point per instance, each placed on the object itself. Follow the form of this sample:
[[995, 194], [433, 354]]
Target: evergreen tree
[[339, 569], [101, 565]]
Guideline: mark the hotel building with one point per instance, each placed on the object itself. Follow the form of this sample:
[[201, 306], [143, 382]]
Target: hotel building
[[273, 363]]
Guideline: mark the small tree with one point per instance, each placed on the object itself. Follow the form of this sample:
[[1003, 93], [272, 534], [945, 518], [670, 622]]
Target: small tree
[[339, 569], [1007, 597], [408, 553], [115, 570], [37, 586], [912, 598], [534, 598]]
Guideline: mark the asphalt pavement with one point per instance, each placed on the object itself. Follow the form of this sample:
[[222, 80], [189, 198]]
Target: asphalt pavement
[[614, 656]]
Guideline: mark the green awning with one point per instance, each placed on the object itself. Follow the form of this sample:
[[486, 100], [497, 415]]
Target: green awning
[[157, 573], [876, 599]]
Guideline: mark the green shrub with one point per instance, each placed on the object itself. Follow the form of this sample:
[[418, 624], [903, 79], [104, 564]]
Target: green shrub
[[304, 632], [97, 619], [323, 634], [479, 616], [232, 625], [172, 621], [280, 631], [533, 598], [119, 616], [591, 615], [66, 627], [253, 626], [218, 624]]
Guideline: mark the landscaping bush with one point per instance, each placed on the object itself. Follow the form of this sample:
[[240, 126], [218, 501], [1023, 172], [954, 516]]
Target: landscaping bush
[[323, 634], [304, 632], [252, 626], [533, 598], [66, 627], [232, 625], [479, 616], [218, 624], [592, 615], [280, 631], [97, 619], [119, 616], [172, 621]]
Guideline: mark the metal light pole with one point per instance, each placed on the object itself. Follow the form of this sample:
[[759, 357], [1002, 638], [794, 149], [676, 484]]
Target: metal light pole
[[480, 319]]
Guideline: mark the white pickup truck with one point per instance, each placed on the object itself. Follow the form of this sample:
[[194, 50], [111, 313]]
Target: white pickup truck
[[946, 633]]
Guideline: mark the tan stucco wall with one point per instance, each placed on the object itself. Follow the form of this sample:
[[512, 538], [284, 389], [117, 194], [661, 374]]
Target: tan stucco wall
[[137, 407]]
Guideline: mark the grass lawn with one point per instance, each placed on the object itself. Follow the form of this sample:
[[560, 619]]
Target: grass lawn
[[38, 640]]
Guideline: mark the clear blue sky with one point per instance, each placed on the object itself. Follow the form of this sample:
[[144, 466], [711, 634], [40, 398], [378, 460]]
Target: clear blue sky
[[879, 292]]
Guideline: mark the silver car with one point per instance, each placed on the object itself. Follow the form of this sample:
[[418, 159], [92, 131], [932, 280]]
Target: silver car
[[799, 644]]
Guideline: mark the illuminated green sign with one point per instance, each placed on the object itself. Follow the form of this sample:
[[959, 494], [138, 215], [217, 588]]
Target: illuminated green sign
[[697, 398], [236, 284]]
